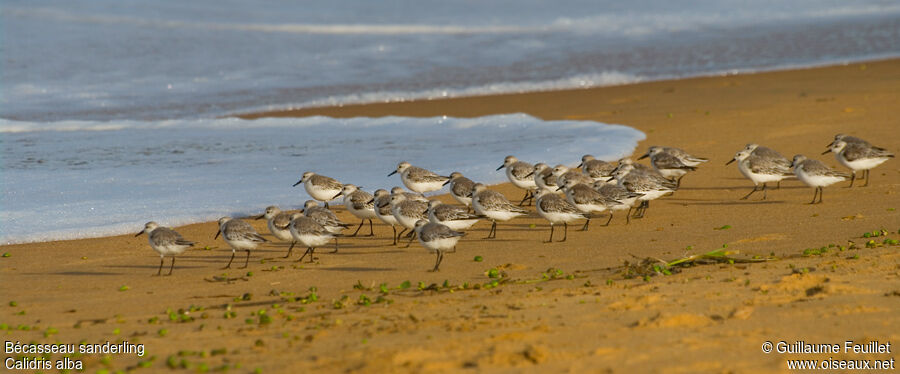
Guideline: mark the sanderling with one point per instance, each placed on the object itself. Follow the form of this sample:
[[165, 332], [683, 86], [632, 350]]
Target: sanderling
[[408, 212], [543, 177], [621, 197], [556, 209], [649, 183], [460, 188], [452, 216], [493, 205], [382, 203], [279, 224], [627, 162], [858, 156], [324, 217], [761, 165], [359, 203], [769, 153], [564, 174], [409, 195], [320, 187], [165, 241], [437, 238], [849, 139], [596, 169], [240, 236], [586, 199], [815, 174], [520, 174], [672, 162], [309, 233], [418, 179]]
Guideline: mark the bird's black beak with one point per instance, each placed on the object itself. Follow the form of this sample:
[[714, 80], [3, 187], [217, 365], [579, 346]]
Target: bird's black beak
[[529, 174], [392, 173], [217, 234], [559, 188], [610, 179], [260, 217], [370, 201], [501, 166], [338, 194], [298, 182], [827, 151], [644, 156], [580, 165], [729, 162], [447, 182], [138, 234]]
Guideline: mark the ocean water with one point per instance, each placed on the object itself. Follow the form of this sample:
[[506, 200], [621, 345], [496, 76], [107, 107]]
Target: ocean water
[[111, 111], [148, 60], [80, 179]]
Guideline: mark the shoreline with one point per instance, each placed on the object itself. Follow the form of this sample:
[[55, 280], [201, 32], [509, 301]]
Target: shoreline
[[290, 110], [558, 306]]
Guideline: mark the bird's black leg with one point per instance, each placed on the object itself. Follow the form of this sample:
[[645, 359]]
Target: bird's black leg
[[437, 263], [551, 234], [755, 187], [247, 261], [853, 177], [411, 238], [358, 227], [815, 194], [371, 230], [173, 266], [610, 218], [161, 259], [867, 178], [335, 245], [493, 233], [586, 223], [397, 239], [229, 261], [565, 231], [291, 249], [764, 191], [308, 249]]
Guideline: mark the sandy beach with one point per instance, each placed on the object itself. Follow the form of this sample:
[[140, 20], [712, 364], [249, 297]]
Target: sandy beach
[[558, 307]]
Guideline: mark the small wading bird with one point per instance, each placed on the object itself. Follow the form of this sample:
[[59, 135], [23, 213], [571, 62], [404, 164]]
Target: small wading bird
[[437, 238], [326, 218], [279, 225], [165, 241], [815, 174], [460, 188], [240, 236], [494, 206], [761, 165], [360, 204], [320, 187], [309, 233], [672, 162], [418, 179], [520, 174], [555, 209], [858, 155]]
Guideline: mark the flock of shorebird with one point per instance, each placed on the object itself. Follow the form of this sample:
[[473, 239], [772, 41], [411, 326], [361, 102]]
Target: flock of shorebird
[[597, 187]]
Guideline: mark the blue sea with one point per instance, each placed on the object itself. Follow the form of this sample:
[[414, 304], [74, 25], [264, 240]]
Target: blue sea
[[111, 111]]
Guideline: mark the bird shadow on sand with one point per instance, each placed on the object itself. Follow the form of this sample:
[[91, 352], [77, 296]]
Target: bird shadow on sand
[[78, 273], [731, 202], [356, 268]]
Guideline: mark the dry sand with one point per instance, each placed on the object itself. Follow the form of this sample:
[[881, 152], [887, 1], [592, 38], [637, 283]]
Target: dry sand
[[708, 318]]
